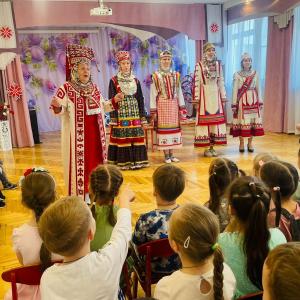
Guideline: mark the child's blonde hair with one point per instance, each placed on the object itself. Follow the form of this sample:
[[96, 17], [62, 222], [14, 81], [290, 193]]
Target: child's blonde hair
[[64, 225], [105, 183], [195, 230], [283, 263], [260, 159]]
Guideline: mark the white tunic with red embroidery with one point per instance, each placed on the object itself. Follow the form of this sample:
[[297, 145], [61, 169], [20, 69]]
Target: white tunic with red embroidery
[[82, 134]]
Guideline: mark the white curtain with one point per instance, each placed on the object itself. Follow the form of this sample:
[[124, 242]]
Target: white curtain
[[248, 36], [294, 80]]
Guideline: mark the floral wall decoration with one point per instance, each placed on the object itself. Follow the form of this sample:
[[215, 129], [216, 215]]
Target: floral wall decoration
[[43, 63]]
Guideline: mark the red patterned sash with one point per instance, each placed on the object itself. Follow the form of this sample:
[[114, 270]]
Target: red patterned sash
[[245, 86]]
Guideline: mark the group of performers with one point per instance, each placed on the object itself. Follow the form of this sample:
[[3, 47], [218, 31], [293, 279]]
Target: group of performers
[[82, 108]]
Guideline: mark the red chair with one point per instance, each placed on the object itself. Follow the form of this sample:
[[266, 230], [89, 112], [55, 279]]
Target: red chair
[[158, 248], [253, 296], [30, 275]]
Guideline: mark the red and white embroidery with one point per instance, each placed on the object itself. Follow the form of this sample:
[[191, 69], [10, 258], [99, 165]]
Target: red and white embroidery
[[6, 32], [14, 90], [214, 27]]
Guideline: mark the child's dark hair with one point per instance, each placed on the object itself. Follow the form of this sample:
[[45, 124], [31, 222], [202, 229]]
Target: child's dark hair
[[282, 178], [222, 172], [196, 229], [38, 191], [105, 182], [250, 199], [260, 159], [283, 263], [169, 182]]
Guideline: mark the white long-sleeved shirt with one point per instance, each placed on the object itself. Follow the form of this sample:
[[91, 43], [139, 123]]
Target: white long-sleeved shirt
[[96, 275]]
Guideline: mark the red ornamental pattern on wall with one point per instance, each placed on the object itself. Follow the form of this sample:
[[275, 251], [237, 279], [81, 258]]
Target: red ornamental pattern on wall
[[14, 90], [214, 27], [6, 32]]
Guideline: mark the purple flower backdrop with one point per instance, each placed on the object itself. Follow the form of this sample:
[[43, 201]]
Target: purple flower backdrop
[[43, 63]]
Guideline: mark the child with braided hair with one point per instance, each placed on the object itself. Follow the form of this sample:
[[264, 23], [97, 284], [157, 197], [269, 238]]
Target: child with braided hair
[[104, 186], [193, 234], [282, 178], [222, 172], [246, 244]]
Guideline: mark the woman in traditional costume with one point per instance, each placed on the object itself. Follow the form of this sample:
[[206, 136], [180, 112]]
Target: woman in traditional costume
[[209, 96], [127, 139], [246, 104], [167, 107], [81, 106]]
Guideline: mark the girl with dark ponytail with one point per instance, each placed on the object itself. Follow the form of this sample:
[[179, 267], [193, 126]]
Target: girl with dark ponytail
[[104, 186], [222, 172], [193, 234], [37, 192], [247, 244], [282, 178]]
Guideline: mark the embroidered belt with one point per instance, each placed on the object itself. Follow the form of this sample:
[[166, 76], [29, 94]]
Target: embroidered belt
[[126, 123]]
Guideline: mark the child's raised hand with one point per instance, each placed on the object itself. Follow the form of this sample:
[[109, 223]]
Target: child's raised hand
[[126, 196]]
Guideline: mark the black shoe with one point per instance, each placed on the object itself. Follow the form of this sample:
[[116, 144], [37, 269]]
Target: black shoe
[[251, 150], [241, 150], [10, 186], [2, 197], [2, 203]]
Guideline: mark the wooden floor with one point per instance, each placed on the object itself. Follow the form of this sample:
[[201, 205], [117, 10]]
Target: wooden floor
[[191, 161]]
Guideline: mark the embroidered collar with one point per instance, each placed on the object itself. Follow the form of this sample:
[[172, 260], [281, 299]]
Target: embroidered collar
[[84, 89], [125, 78], [165, 72], [244, 73]]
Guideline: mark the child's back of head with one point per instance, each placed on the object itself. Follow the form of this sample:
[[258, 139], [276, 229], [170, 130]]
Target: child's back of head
[[65, 225], [259, 160], [281, 274], [249, 200], [195, 230], [169, 182], [38, 190], [104, 186], [222, 172], [282, 178]]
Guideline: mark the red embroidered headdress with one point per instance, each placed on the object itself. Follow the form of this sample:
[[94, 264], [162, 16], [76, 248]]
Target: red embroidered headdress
[[76, 54], [122, 55]]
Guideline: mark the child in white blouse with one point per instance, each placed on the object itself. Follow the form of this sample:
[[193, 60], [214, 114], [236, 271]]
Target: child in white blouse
[[67, 227], [193, 234]]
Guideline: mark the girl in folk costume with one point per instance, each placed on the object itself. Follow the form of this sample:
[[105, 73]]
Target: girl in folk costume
[[127, 140], [167, 107], [246, 104], [209, 95], [81, 107]]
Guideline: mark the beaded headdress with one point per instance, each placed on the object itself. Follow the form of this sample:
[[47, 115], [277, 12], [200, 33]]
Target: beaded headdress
[[76, 54], [122, 55], [165, 53]]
